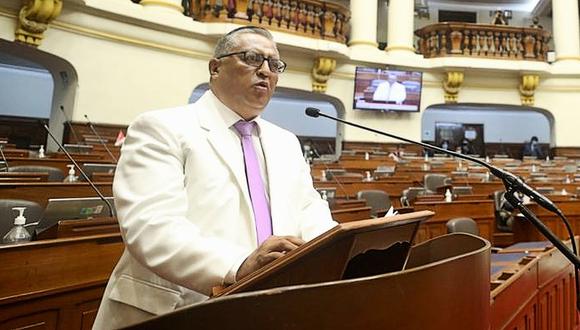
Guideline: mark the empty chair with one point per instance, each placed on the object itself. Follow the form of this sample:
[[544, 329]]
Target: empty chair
[[462, 225], [376, 199], [33, 213], [409, 195], [434, 181], [54, 174]]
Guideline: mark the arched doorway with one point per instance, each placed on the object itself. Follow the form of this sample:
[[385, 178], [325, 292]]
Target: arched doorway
[[23, 59], [491, 128]]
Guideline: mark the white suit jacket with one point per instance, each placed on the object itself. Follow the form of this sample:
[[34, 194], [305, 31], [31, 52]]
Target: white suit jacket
[[185, 213]]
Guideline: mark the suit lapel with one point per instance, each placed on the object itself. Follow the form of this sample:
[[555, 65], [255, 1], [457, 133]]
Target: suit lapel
[[219, 137]]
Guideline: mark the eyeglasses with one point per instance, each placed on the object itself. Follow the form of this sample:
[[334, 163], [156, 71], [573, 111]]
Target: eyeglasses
[[256, 59]]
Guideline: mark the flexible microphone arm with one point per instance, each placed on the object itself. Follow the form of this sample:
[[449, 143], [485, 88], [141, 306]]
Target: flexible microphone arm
[[70, 126], [100, 138], [4, 158], [85, 176], [510, 181]]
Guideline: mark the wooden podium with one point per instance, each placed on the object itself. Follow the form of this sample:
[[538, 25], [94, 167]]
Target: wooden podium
[[359, 275]]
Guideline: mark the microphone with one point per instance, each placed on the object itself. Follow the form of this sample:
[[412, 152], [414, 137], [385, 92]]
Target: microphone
[[85, 176], [68, 121], [6, 169], [508, 178], [100, 138]]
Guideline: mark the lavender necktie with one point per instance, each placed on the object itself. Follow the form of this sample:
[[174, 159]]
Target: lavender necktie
[[255, 182]]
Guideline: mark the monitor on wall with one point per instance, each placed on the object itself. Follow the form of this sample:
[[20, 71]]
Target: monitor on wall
[[387, 90]]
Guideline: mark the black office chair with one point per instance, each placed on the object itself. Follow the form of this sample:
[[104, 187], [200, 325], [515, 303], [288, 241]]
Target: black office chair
[[33, 213], [462, 225], [54, 174], [376, 199]]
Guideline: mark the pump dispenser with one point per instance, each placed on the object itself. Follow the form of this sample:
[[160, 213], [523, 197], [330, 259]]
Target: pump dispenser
[[448, 196], [41, 152], [18, 233], [71, 177], [324, 195]]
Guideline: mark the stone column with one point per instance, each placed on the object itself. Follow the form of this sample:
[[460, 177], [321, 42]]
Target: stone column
[[565, 26], [167, 6], [363, 23], [400, 26]]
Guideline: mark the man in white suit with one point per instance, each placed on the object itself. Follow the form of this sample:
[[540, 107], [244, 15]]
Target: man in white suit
[[183, 199]]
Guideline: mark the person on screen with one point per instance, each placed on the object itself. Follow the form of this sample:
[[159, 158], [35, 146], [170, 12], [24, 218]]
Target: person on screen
[[382, 91], [398, 93], [532, 148], [209, 192]]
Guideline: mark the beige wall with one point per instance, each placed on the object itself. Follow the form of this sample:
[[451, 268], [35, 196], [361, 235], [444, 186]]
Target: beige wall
[[127, 63]]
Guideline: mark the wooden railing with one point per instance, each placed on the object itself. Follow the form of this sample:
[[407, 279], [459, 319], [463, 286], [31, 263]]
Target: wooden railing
[[311, 18], [483, 40]]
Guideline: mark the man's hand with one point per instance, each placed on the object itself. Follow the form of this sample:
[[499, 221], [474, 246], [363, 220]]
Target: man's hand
[[271, 249]]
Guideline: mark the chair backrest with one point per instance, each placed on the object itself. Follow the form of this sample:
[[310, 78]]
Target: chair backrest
[[462, 225], [409, 195], [433, 181], [33, 213], [376, 199], [54, 174]]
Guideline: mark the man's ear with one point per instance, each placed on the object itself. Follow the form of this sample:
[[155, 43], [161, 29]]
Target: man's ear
[[214, 67]]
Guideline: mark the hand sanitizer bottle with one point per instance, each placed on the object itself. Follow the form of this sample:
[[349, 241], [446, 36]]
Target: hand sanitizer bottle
[[18, 234], [368, 176], [71, 177], [41, 152], [448, 196], [324, 195]]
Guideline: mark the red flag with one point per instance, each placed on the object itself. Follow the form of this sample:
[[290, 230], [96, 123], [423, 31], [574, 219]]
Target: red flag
[[120, 139]]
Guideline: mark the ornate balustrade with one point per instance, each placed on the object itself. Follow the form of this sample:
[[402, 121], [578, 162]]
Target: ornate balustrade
[[311, 18], [483, 40]]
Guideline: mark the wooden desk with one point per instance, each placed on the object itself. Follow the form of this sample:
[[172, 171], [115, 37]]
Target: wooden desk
[[532, 290], [42, 191], [351, 214], [54, 162], [524, 231], [482, 211], [55, 284]]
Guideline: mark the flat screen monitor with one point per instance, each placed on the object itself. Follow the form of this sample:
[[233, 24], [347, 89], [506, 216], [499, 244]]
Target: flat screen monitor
[[387, 90], [73, 208], [91, 168], [78, 148]]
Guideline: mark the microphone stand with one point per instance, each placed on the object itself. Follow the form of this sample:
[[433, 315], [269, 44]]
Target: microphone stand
[[512, 184], [85, 176], [100, 139]]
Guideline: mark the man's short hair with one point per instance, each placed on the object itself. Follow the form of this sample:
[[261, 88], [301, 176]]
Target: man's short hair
[[229, 41]]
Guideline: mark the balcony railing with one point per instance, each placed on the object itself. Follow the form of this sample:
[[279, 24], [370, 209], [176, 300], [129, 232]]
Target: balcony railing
[[310, 18], [483, 41]]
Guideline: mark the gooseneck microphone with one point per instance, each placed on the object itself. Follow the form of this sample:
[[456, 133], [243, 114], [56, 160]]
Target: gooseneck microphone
[[70, 127], [85, 176], [511, 182], [6, 169], [100, 138]]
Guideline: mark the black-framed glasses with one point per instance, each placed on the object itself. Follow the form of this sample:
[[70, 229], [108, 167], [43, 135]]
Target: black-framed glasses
[[254, 59]]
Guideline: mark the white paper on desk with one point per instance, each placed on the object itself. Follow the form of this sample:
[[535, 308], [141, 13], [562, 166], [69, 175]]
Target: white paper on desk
[[391, 212]]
